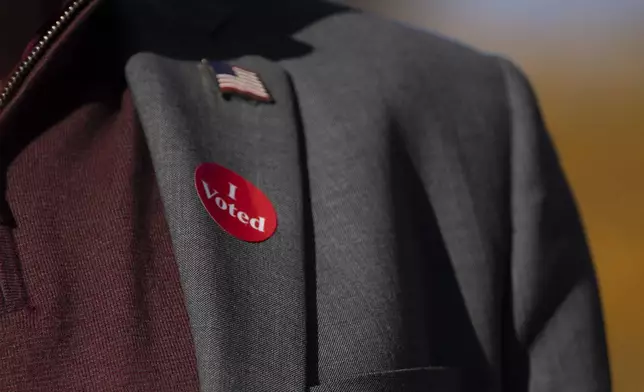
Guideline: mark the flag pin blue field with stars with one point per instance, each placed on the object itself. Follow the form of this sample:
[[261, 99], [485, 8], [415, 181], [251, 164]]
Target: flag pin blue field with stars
[[233, 80]]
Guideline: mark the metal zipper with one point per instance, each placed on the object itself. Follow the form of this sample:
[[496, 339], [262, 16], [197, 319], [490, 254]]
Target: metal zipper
[[18, 76]]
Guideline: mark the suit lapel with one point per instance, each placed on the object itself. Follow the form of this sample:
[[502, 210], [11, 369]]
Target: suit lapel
[[246, 301]]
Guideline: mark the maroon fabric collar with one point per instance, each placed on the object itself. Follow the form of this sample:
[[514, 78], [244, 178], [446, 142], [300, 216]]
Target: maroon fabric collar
[[51, 8], [51, 50]]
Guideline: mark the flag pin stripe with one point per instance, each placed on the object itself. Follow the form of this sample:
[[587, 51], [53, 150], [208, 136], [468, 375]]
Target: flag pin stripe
[[234, 80]]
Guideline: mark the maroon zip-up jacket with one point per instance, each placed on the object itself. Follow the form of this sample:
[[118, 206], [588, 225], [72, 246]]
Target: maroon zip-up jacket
[[91, 299]]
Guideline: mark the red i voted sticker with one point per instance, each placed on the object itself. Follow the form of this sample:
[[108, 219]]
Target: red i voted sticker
[[235, 204]]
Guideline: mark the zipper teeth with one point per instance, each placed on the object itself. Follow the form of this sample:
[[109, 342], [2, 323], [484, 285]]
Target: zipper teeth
[[39, 48]]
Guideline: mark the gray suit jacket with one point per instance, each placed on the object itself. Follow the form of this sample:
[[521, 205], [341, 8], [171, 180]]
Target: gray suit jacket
[[427, 239]]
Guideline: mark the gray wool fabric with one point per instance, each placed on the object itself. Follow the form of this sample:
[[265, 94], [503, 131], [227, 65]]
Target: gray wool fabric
[[245, 300], [427, 239]]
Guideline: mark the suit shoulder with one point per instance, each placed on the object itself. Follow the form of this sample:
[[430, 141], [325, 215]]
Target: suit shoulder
[[376, 42], [412, 67], [406, 63]]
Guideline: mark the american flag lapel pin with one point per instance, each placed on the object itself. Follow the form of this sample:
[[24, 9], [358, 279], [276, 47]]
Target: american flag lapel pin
[[233, 80]]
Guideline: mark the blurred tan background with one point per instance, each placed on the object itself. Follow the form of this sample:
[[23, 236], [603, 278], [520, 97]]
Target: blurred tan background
[[586, 62]]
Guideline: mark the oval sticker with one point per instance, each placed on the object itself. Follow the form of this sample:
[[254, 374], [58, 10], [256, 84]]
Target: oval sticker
[[234, 203]]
